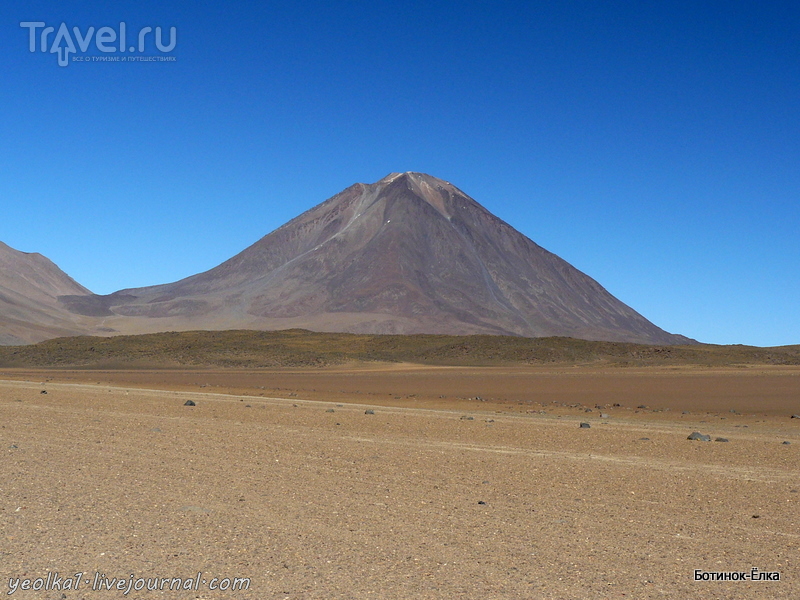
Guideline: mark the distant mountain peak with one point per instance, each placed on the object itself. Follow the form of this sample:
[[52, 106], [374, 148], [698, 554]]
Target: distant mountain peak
[[431, 189], [410, 253], [30, 285]]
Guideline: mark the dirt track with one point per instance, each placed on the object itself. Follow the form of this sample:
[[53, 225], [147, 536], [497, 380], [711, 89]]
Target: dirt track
[[409, 502]]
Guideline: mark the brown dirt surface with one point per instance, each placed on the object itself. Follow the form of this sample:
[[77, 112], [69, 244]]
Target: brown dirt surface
[[464, 483]]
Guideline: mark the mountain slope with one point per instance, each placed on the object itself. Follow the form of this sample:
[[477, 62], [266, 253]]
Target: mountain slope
[[408, 254], [30, 285]]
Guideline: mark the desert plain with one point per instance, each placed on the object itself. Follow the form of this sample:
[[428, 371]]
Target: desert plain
[[400, 481]]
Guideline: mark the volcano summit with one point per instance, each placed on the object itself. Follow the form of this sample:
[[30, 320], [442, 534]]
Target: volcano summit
[[408, 254]]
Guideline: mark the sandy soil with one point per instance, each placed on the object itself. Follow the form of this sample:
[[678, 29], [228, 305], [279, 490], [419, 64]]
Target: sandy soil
[[428, 497]]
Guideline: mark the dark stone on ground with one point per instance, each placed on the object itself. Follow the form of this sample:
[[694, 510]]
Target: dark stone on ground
[[585, 426], [699, 437], [189, 403]]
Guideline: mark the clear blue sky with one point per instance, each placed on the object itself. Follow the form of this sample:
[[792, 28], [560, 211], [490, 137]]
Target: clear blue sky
[[655, 146]]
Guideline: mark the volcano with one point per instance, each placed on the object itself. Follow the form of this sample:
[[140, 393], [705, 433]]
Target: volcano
[[408, 254]]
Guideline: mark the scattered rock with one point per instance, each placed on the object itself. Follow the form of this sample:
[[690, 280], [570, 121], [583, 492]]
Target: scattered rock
[[481, 502], [696, 435], [466, 418], [13, 446], [684, 412], [330, 410], [155, 430], [645, 439], [786, 443], [43, 392], [587, 410], [756, 516], [369, 411], [796, 416], [248, 406], [189, 403], [604, 416], [585, 426], [641, 406], [720, 439]]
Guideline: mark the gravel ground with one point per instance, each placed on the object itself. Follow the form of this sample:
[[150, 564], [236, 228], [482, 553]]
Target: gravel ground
[[407, 502]]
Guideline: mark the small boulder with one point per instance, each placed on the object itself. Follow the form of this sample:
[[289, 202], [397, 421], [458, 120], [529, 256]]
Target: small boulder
[[720, 439], [189, 403], [369, 411], [696, 435], [585, 426]]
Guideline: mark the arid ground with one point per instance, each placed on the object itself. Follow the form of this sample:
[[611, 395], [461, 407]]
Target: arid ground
[[464, 483]]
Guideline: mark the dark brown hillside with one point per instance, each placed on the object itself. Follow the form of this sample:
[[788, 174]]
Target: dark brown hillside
[[299, 348]]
